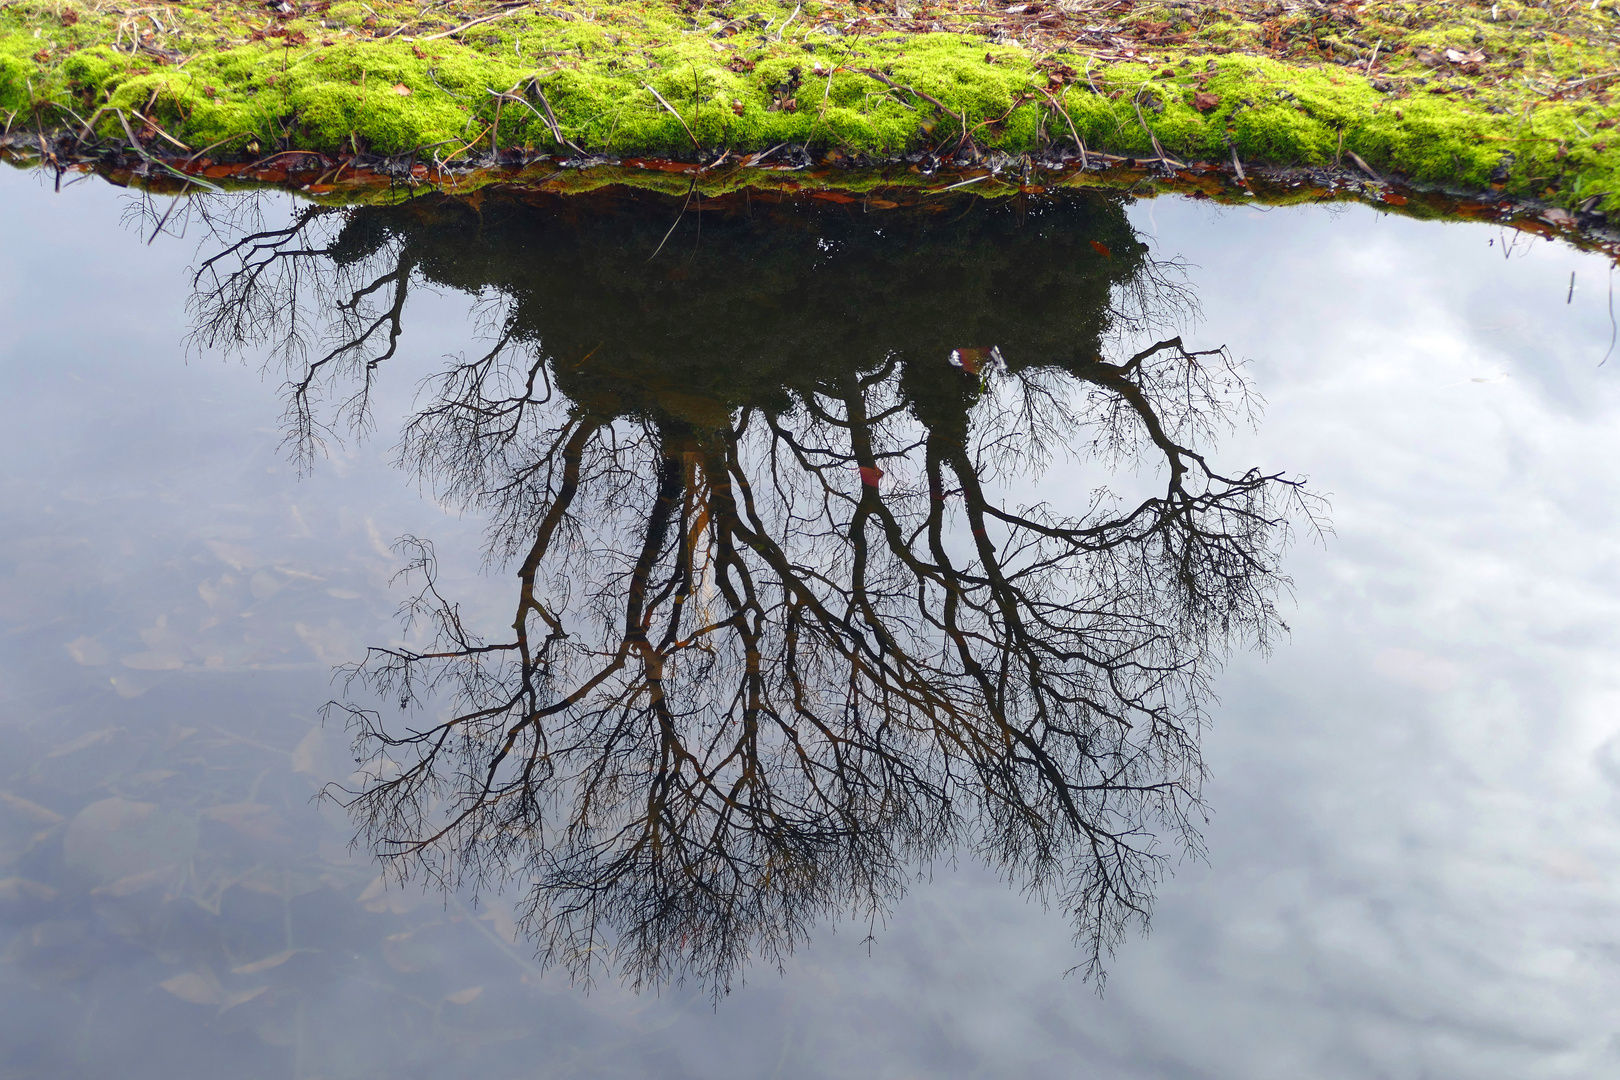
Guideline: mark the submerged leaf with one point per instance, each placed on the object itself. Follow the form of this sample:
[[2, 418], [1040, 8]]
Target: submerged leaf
[[133, 883], [195, 988], [14, 889], [84, 741], [241, 997], [268, 962], [253, 820], [28, 808], [307, 753], [116, 838]]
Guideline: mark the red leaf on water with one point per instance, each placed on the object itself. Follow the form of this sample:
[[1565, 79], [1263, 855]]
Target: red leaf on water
[[1102, 249], [870, 475], [973, 360]]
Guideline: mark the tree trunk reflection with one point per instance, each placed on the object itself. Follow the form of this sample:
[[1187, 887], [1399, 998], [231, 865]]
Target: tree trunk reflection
[[788, 622]]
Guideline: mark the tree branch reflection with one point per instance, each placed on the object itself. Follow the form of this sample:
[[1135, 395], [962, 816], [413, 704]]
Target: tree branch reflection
[[792, 618]]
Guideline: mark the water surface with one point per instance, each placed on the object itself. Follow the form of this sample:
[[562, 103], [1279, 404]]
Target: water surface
[[1412, 820]]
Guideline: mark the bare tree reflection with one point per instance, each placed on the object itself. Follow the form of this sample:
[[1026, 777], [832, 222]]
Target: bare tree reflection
[[790, 621]]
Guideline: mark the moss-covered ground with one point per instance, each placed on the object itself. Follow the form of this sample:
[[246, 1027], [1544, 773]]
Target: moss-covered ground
[[1509, 97]]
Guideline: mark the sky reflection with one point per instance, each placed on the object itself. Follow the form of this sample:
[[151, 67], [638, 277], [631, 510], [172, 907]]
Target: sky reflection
[[1412, 849]]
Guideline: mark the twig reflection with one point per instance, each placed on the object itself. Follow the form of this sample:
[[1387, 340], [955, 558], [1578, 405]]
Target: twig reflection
[[784, 629]]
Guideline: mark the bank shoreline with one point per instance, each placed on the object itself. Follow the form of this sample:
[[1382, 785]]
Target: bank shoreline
[[928, 187], [1506, 103]]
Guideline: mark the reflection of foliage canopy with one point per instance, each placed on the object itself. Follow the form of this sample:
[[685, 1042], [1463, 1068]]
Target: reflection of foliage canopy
[[779, 635]]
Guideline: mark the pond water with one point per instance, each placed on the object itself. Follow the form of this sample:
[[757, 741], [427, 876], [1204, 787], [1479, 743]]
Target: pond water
[[1408, 824]]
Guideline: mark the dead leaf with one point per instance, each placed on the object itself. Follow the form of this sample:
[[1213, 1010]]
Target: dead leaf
[[378, 898], [1204, 101], [1102, 249], [268, 962], [976, 359], [255, 821], [870, 475], [501, 919], [15, 889], [241, 997], [153, 661], [408, 955], [28, 808], [307, 753], [152, 776], [235, 556], [133, 883], [83, 741], [402, 90], [87, 651], [116, 838], [1477, 56], [195, 988]]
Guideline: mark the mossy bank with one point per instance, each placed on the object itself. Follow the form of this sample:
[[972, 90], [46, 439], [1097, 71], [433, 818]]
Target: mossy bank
[[1506, 97]]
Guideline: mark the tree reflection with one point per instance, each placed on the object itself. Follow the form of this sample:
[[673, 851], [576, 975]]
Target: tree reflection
[[791, 617]]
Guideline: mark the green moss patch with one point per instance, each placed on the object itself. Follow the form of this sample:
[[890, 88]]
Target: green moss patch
[[447, 83]]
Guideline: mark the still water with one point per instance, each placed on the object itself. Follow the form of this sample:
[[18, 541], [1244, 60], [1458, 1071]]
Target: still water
[[1390, 497]]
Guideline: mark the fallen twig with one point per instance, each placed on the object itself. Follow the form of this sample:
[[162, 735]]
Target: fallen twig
[[475, 22], [755, 159], [325, 161], [547, 118], [675, 114], [1078, 141], [882, 78], [211, 145], [673, 224], [872, 73], [163, 133], [551, 117], [1363, 166], [159, 162], [789, 19], [1154, 139]]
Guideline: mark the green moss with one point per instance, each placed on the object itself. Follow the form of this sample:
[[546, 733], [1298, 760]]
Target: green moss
[[92, 69], [14, 84], [645, 78]]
